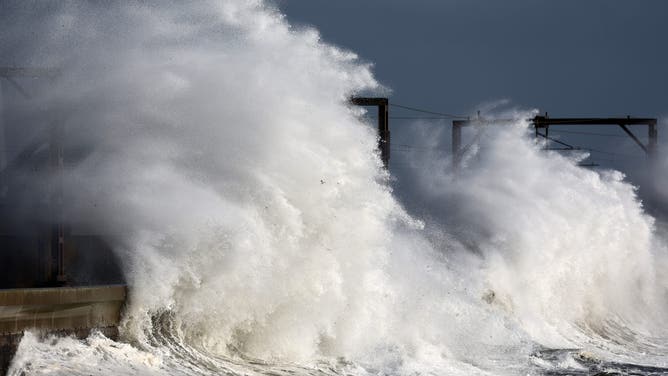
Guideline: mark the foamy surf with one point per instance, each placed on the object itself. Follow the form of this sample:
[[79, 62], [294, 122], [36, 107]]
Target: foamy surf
[[260, 233]]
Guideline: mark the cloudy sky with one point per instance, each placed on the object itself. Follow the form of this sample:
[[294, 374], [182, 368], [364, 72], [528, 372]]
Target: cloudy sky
[[569, 58]]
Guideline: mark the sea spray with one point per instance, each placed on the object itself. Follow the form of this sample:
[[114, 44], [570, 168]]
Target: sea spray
[[241, 190], [259, 231], [566, 249]]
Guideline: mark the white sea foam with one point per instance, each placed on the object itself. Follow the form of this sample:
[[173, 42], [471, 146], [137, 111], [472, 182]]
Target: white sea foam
[[257, 226], [568, 251]]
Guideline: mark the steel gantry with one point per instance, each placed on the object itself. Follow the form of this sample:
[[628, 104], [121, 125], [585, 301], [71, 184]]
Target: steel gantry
[[544, 122], [542, 125], [383, 124]]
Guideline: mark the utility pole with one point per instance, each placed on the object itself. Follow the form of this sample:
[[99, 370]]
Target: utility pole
[[457, 150], [653, 136], [383, 124], [3, 145], [57, 238], [456, 145]]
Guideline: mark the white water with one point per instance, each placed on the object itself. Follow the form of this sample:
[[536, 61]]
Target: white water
[[259, 234]]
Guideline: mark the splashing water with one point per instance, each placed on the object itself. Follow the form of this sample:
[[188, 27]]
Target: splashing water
[[259, 232]]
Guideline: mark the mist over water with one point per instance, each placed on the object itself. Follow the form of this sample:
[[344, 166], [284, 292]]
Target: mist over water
[[259, 232]]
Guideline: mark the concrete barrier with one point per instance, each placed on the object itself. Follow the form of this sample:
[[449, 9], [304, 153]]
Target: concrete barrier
[[61, 308], [65, 310]]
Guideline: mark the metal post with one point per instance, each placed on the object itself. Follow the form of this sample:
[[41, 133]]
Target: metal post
[[456, 146], [653, 138], [384, 133], [547, 137], [3, 146], [57, 246], [383, 124], [4, 153]]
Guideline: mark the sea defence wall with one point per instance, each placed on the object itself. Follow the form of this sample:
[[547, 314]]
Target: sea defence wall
[[64, 310]]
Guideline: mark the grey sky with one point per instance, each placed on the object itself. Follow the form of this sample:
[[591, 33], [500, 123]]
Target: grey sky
[[570, 58]]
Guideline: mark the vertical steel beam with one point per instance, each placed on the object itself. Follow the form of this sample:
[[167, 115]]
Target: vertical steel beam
[[383, 124], [3, 146], [456, 146], [57, 238], [547, 137], [653, 138], [384, 133]]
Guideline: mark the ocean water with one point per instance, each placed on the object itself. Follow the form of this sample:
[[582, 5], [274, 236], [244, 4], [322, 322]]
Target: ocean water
[[260, 234]]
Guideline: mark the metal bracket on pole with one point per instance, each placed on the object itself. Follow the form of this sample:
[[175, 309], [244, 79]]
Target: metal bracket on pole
[[649, 149], [628, 132]]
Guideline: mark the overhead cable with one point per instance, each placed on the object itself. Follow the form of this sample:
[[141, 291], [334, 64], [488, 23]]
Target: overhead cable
[[428, 112], [588, 133]]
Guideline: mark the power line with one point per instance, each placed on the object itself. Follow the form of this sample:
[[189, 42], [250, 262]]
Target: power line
[[567, 147], [570, 147], [574, 148], [442, 116], [588, 133], [413, 117], [428, 112], [616, 154], [419, 117], [410, 148]]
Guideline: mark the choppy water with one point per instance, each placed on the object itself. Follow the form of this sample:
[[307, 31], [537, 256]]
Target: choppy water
[[260, 234]]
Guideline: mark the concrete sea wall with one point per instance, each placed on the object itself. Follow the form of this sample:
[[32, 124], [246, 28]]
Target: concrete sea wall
[[63, 310]]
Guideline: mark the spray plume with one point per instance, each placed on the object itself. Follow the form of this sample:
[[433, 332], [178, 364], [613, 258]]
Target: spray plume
[[220, 158]]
